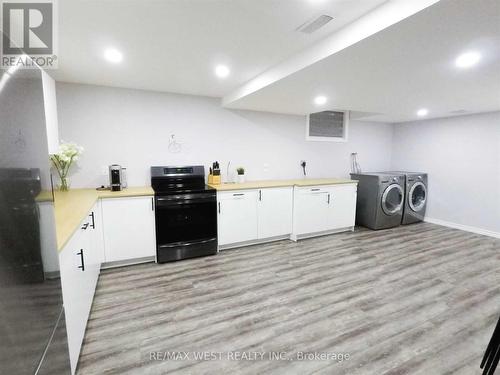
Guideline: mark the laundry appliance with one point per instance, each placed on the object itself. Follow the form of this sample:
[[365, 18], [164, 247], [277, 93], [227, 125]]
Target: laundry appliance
[[380, 199], [415, 202]]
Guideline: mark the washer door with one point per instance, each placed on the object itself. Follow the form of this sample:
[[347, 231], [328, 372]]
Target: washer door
[[417, 196], [392, 199]]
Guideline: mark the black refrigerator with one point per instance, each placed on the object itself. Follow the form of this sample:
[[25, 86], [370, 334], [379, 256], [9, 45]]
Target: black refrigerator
[[32, 326]]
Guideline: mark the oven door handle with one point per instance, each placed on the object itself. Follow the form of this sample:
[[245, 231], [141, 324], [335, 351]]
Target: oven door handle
[[182, 197], [169, 202], [177, 244]]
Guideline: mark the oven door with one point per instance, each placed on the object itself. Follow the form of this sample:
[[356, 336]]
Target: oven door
[[186, 226]]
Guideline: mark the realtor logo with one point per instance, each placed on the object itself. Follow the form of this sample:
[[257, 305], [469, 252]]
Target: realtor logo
[[28, 29]]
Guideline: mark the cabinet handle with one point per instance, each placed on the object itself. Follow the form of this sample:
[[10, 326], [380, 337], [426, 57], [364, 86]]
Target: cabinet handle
[[152, 204], [315, 189], [82, 266], [93, 220], [260, 195], [85, 226], [238, 194], [219, 207], [328, 198]]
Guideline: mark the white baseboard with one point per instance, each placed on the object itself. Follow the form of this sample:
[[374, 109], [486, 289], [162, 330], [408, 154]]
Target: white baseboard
[[253, 242], [466, 228], [128, 262], [303, 236]]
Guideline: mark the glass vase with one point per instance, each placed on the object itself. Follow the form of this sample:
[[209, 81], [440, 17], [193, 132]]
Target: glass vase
[[64, 184]]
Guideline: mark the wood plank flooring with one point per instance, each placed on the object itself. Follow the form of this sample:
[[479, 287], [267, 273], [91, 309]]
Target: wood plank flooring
[[418, 299]]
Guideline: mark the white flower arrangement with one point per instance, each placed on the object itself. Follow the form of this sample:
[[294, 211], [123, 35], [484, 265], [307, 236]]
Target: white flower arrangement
[[68, 153]]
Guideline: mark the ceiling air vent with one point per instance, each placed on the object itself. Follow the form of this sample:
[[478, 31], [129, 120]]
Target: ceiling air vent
[[311, 26]]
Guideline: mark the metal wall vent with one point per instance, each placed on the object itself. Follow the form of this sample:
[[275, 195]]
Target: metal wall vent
[[327, 126], [311, 26]]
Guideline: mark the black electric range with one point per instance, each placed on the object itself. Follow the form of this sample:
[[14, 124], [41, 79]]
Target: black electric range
[[186, 213]]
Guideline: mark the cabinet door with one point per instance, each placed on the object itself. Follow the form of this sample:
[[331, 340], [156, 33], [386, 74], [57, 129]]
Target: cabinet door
[[96, 226], [310, 210], [129, 228], [90, 272], [237, 216], [92, 229], [77, 293], [275, 212], [342, 206]]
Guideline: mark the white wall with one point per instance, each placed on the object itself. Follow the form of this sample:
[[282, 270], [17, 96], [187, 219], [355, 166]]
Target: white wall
[[462, 157], [50, 106], [132, 128]]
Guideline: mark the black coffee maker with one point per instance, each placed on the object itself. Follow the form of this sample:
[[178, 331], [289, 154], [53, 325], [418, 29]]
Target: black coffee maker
[[116, 177]]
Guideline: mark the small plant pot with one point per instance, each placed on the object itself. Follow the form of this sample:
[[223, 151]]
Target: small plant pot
[[241, 178]]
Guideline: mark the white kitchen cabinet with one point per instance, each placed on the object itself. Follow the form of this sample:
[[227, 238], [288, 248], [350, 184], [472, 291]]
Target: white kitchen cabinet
[[275, 212], [93, 229], [76, 307], [237, 216], [48, 241], [311, 210], [342, 206], [79, 265], [96, 229], [258, 214], [129, 228], [323, 209]]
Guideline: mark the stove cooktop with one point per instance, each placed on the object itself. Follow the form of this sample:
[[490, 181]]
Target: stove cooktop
[[167, 180]]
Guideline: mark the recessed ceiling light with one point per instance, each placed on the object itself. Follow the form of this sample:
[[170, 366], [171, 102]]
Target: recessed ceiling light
[[222, 71], [468, 59], [320, 100], [422, 112], [113, 55]]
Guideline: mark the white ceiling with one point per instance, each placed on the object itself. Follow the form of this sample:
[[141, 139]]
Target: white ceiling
[[173, 45], [407, 66]]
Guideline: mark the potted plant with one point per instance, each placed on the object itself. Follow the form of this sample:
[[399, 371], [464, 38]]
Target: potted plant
[[241, 174], [68, 153]]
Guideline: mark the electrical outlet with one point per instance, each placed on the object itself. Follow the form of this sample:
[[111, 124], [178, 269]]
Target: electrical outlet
[[303, 165]]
